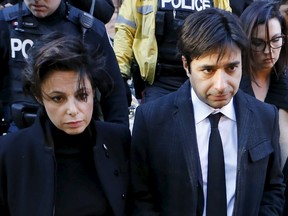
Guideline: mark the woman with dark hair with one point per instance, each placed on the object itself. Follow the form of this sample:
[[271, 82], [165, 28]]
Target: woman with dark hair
[[267, 61], [66, 163], [266, 68]]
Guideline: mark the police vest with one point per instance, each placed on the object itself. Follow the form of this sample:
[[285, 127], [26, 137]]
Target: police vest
[[24, 30], [169, 19]]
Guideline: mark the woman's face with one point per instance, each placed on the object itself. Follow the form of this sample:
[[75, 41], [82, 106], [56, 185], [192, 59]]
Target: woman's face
[[261, 44], [68, 107]]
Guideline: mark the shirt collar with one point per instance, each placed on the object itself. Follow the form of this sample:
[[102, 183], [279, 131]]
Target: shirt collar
[[202, 110]]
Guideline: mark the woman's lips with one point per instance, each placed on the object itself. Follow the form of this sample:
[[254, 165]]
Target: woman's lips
[[74, 124]]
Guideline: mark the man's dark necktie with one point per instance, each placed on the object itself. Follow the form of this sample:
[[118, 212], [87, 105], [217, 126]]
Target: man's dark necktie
[[216, 184]]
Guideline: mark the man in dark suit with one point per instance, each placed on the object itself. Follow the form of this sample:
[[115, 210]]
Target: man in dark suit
[[171, 156]]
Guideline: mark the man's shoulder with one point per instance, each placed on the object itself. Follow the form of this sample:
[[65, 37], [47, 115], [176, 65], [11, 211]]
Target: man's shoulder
[[172, 100], [158, 106], [254, 104], [85, 19], [11, 13]]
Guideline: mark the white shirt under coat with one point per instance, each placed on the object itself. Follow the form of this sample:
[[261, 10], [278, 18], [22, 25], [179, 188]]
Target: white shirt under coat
[[228, 132]]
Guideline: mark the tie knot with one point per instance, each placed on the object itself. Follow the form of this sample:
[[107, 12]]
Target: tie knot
[[214, 119]]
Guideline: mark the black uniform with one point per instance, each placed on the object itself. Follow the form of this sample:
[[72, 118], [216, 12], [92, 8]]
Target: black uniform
[[19, 30], [170, 74], [238, 6], [103, 9]]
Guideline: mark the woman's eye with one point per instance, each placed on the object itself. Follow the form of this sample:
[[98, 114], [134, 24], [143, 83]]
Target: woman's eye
[[57, 99], [275, 39], [258, 42], [83, 96]]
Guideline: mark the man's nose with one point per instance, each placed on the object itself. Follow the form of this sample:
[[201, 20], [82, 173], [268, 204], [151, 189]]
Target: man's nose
[[220, 80]]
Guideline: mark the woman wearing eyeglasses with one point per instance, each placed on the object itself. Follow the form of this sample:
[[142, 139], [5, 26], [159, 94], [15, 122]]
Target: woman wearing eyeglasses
[[265, 71]]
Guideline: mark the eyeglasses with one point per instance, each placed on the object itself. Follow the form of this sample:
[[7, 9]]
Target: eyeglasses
[[259, 45]]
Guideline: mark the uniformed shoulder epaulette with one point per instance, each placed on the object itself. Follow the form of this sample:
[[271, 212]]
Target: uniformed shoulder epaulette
[[12, 12], [74, 16]]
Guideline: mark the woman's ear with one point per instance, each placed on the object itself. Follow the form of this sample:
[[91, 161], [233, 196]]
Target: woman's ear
[[185, 65]]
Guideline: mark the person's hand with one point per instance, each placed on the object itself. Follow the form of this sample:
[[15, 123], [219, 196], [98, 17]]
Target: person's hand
[[128, 92]]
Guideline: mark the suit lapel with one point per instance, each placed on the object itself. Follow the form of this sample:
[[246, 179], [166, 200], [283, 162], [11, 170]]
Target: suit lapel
[[244, 118], [105, 168], [185, 125]]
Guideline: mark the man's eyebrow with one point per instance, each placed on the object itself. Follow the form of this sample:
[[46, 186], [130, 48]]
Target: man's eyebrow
[[206, 66], [233, 63], [212, 66]]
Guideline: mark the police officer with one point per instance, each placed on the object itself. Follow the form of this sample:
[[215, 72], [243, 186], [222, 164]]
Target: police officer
[[102, 10], [21, 25], [146, 34]]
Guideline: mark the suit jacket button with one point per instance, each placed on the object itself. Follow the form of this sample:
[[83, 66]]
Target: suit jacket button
[[123, 196]]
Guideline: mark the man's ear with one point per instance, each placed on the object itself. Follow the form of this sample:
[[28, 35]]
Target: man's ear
[[185, 65]]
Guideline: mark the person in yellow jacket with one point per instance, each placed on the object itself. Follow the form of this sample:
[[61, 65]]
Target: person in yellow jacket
[[145, 42]]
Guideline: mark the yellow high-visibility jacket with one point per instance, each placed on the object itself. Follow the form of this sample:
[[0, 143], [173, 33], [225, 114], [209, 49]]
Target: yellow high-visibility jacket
[[135, 36]]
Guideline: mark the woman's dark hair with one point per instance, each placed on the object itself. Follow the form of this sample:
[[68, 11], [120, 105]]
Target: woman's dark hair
[[260, 12], [208, 31], [57, 51]]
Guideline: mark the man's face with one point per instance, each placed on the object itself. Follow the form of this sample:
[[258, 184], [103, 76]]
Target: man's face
[[42, 8], [214, 80]]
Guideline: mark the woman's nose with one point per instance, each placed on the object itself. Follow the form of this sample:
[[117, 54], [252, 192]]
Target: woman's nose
[[72, 108]]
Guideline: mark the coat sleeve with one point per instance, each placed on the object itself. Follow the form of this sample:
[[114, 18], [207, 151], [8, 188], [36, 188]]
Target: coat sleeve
[[4, 60], [4, 211], [142, 193], [283, 123], [113, 101], [125, 28], [273, 195]]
